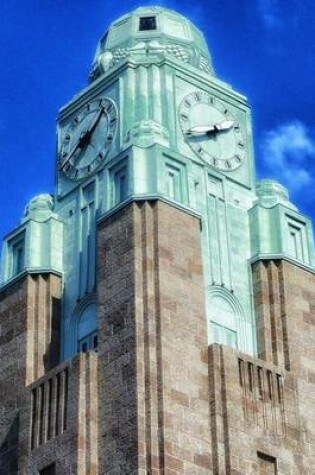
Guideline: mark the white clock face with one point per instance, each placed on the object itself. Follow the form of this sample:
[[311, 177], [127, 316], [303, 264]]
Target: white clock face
[[212, 131], [87, 139]]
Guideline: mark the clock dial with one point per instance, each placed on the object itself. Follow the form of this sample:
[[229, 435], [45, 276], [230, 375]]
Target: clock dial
[[212, 131], [87, 139]]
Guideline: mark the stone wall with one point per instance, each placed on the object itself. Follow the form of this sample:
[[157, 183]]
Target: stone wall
[[262, 410], [155, 411], [155, 399], [59, 420]]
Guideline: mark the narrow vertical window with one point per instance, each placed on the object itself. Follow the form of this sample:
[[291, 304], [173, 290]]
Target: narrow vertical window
[[260, 381], [269, 379], [120, 185], [279, 388], [17, 252], [250, 376], [175, 181], [240, 372]]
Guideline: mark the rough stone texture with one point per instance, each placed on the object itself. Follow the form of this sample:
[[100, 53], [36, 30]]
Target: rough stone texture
[[262, 410], [66, 432], [155, 411], [155, 399], [28, 334]]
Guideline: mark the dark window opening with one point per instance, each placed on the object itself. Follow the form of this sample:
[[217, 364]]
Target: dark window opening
[[50, 470], [95, 342], [267, 465], [147, 23], [87, 343]]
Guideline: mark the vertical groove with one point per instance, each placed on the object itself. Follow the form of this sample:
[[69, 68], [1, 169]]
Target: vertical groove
[[36, 328], [57, 426], [87, 411], [225, 415], [209, 238], [65, 412], [33, 417], [272, 299], [48, 429], [53, 407], [147, 362], [46, 410], [150, 92], [159, 337], [61, 401], [219, 238], [213, 416], [229, 253], [41, 414], [156, 93], [284, 322]]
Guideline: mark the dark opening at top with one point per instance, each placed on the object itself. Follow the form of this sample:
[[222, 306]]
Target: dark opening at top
[[147, 23]]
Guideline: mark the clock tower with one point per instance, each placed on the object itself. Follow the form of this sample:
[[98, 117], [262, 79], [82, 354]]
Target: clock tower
[[149, 326]]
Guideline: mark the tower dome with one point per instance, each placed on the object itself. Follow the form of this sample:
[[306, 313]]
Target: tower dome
[[271, 193], [39, 208], [149, 34]]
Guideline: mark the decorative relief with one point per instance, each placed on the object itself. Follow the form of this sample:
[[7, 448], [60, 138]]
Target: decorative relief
[[263, 395], [146, 133], [179, 52], [204, 65], [141, 51]]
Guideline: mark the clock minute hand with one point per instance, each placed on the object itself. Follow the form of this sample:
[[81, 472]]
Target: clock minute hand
[[70, 155], [86, 136]]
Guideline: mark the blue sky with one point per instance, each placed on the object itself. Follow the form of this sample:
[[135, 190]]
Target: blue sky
[[264, 48]]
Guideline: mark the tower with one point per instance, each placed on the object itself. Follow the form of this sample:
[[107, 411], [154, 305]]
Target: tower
[[157, 312]]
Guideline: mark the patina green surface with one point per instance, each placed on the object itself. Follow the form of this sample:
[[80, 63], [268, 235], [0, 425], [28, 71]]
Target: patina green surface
[[151, 76]]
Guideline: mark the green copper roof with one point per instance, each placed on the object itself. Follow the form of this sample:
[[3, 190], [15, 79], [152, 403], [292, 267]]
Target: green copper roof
[[151, 32]]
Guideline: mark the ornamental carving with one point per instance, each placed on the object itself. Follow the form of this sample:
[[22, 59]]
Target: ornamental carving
[[149, 52]]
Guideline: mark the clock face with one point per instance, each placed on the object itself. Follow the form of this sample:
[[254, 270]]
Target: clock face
[[212, 131], [87, 139]]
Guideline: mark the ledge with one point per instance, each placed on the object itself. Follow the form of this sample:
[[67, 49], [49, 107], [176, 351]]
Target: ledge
[[283, 257], [27, 271], [147, 197]]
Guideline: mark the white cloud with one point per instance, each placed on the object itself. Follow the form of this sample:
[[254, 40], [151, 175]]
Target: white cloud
[[287, 151], [269, 13]]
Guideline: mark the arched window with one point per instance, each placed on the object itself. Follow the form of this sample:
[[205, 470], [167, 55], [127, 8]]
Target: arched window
[[87, 331], [225, 318]]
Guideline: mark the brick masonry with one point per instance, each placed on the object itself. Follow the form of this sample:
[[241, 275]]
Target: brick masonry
[[155, 399]]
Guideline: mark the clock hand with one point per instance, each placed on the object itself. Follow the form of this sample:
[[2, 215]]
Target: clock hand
[[85, 137], [201, 129], [211, 129], [224, 125], [70, 155]]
